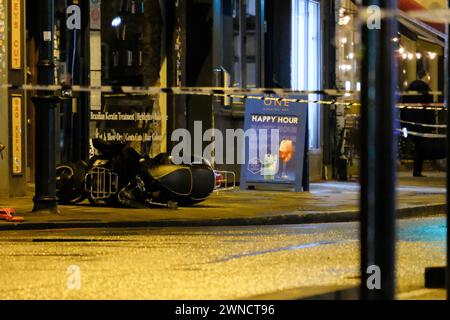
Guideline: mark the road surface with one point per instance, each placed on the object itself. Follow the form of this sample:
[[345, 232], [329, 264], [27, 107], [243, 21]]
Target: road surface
[[201, 263]]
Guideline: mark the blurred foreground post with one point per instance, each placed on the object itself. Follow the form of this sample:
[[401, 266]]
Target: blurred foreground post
[[447, 102], [378, 151]]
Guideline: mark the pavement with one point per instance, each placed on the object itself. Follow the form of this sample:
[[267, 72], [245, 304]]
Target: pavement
[[326, 202]]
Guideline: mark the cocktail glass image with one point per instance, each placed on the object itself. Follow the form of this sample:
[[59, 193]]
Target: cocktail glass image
[[270, 166], [286, 153]]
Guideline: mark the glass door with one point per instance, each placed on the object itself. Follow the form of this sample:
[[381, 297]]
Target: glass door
[[306, 59]]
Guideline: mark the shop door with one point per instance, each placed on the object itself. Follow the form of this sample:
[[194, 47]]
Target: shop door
[[306, 70], [238, 46]]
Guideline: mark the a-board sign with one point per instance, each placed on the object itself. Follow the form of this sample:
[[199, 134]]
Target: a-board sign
[[274, 149]]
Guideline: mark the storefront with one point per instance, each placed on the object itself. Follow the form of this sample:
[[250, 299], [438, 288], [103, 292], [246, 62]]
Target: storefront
[[421, 52], [420, 47], [128, 49], [13, 103], [272, 44], [235, 43], [92, 49]]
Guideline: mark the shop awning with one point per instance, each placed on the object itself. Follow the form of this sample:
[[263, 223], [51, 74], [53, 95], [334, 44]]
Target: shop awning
[[422, 30], [414, 5]]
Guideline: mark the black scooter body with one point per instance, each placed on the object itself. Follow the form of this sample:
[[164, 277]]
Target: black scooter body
[[144, 181], [184, 184]]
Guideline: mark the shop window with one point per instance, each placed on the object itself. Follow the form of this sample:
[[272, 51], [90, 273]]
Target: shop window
[[246, 43], [131, 55]]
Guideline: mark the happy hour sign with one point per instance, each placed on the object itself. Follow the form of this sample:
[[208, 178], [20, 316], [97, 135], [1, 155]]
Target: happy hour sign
[[275, 143]]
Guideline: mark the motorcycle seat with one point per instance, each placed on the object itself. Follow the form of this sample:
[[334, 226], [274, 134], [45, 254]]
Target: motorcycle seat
[[162, 171], [176, 178]]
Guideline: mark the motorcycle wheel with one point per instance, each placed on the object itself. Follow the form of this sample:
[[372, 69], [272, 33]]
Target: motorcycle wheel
[[70, 182]]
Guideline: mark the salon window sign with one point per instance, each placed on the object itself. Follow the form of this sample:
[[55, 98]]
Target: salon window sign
[[3, 37], [275, 143], [16, 31], [95, 16], [17, 136]]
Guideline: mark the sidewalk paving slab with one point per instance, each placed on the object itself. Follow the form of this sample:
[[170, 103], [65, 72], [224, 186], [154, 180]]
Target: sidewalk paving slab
[[327, 202], [345, 293]]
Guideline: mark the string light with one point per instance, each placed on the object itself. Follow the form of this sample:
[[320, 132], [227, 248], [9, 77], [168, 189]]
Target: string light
[[348, 86], [345, 67], [344, 20]]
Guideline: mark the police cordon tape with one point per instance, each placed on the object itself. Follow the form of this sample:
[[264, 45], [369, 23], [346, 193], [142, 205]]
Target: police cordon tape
[[273, 94], [422, 106], [146, 90], [424, 124], [422, 135]]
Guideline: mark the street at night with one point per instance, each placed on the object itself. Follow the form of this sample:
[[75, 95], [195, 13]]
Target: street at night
[[208, 263], [242, 156]]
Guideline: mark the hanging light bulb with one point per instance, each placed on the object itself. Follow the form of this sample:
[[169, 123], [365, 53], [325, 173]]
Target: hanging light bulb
[[418, 55]]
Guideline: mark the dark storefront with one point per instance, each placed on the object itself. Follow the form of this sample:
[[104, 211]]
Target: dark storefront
[[248, 44], [236, 43]]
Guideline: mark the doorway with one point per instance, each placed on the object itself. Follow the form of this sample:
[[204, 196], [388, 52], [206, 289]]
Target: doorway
[[306, 66], [238, 61]]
